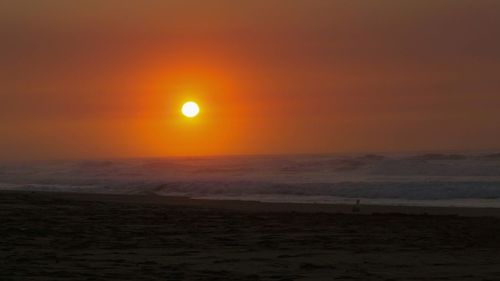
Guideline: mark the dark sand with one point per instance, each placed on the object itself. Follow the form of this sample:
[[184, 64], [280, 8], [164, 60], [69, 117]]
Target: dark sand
[[50, 236]]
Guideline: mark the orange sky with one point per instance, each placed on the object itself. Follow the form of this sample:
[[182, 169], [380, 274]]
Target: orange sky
[[107, 78]]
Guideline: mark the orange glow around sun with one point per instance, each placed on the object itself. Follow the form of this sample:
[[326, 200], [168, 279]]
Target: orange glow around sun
[[175, 92]]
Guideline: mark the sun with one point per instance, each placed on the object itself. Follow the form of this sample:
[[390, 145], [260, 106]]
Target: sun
[[190, 109]]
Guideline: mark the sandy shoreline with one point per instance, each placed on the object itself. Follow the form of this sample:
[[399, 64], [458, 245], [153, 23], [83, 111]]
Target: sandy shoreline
[[254, 206], [69, 236]]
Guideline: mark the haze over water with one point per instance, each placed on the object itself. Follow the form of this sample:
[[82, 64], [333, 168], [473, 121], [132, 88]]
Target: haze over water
[[418, 179]]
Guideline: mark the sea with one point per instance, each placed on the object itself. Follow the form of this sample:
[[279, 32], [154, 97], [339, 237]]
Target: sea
[[419, 179]]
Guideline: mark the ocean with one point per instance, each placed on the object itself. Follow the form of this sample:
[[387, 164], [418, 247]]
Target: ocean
[[426, 179]]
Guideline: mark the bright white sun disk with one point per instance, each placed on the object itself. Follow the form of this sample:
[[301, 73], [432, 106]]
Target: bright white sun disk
[[190, 109]]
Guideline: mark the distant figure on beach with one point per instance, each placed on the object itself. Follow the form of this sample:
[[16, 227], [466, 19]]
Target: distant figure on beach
[[356, 208]]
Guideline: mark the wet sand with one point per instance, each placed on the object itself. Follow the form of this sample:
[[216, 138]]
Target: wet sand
[[63, 236]]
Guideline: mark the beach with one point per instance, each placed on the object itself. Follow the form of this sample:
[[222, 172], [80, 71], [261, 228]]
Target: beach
[[71, 236], [249, 140]]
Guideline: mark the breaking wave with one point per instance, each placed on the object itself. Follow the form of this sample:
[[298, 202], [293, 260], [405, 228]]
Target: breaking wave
[[422, 179]]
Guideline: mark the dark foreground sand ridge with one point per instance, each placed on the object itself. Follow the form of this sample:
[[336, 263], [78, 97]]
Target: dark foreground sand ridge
[[79, 237]]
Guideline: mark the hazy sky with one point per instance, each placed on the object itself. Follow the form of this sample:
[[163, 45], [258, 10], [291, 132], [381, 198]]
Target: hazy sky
[[107, 78]]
